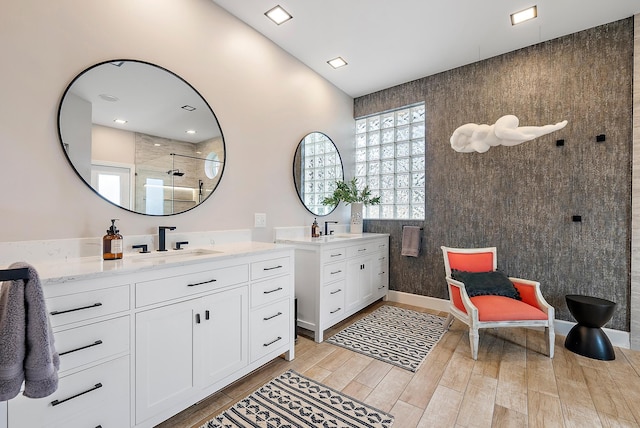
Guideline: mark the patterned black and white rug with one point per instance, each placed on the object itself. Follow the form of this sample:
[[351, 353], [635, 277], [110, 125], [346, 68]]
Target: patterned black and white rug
[[399, 336], [294, 401]]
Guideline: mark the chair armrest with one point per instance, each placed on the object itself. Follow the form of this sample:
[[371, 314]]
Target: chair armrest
[[531, 294], [459, 298]]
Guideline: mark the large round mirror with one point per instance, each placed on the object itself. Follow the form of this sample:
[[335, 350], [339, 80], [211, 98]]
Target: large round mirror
[[141, 137], [316, 168]]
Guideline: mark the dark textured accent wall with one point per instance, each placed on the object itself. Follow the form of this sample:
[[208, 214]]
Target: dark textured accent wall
[[521, 199]]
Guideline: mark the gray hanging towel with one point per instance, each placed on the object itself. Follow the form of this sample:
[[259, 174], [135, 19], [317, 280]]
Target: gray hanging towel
[[28, 352], [411, 237]]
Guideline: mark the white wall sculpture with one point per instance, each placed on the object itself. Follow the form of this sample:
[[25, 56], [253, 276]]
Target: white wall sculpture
[[472, 137]]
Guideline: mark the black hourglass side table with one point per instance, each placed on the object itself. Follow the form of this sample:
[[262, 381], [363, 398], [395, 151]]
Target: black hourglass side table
[[587, 338]]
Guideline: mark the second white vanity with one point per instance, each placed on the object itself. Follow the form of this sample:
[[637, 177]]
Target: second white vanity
[[337, 276]]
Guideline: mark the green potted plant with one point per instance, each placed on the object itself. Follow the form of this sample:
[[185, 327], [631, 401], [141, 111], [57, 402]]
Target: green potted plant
[[349, 193]]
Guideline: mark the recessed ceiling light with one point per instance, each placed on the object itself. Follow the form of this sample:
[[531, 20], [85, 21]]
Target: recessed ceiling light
[[117, 63], [524, 15], [120, 121], [187, 107], [337, 62], [110, 98], [278, 15], [190, 131]]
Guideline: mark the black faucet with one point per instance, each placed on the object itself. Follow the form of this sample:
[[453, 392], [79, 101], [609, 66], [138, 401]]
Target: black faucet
[[161, 237], [179, 245], [143, 247], [326, 227]]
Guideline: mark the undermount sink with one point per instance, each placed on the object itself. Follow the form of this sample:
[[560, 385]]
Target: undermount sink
[[172, 254]]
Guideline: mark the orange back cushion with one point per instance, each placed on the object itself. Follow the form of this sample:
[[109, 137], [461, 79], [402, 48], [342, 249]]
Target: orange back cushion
[[478, 262]]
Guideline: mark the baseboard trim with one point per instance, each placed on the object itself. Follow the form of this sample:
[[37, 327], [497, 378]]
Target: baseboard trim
[[621, 339]]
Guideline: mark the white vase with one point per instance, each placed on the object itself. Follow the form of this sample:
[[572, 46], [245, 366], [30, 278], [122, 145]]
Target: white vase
[[356, 217]]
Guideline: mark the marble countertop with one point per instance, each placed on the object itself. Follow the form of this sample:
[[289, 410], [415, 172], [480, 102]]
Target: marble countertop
[[342, 238], [62, 270]]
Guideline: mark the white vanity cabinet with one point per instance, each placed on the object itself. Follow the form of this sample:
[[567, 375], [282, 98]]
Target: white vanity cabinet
[[146, 340], [337, 277], [90, 320]]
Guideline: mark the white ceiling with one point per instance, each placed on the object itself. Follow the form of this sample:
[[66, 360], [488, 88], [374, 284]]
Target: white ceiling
[[389, 42]]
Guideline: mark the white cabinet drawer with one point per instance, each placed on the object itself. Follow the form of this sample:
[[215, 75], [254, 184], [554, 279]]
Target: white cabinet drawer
[[269, 268], [270, 328], [333, 300], [92, 397], [91, 304], [361, 249], [333, 272], [93, 342], [334, 254], [270, 290], [174, 287]]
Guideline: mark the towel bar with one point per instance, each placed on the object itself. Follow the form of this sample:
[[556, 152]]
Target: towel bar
[[14, 274]]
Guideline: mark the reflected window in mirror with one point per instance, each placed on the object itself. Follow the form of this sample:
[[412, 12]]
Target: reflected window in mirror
[[146, 131], [317, 166]]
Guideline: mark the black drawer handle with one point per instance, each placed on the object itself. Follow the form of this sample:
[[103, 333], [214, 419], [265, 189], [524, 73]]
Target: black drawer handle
[[272, 291], [272, 316], [272, 342], [336, 255], [333, 312], [337, 291], [95, 305], [56, 402], [207, 315], [362, 249], [335, 272], [197, 318], [381, 287], [203, 282], [96, 343], [272, 268]]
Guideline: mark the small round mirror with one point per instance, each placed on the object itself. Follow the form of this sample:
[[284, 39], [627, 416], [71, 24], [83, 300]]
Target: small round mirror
[[317, 166], [141, 137]]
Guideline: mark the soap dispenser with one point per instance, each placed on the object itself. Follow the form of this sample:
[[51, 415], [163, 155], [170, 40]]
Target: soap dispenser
[[112, 243], [315, 229]]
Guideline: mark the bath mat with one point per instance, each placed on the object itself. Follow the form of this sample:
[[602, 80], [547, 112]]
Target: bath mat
[[398, 336], [292, 400]]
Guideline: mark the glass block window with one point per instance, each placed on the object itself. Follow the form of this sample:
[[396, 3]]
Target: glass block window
[[322, 167], [390, 158]]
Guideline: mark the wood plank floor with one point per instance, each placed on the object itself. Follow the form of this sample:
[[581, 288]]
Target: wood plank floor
[[512, 384]]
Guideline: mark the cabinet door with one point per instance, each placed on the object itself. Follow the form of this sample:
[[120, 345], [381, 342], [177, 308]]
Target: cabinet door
[[359, 282], [164, 357], [221, 335]]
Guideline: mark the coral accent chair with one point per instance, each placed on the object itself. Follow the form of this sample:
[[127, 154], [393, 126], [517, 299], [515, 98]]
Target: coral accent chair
[[492, 311]]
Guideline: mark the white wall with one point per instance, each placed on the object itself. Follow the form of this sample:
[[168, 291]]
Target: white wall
[[264, 99]]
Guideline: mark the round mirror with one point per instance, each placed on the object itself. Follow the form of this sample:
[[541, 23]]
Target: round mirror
[[316, 168], [141, 137]]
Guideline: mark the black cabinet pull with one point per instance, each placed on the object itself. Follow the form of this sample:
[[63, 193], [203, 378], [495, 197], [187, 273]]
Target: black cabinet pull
[[272, 342], [96, 343], [336, 255], [337, 291], [335, 272], [272, 291], [56, 402], [95, 305], [197, 318], [272, 316], [333, 312], [203, 282], [272, 268], [99, 426], [362, 249], [206, 315]]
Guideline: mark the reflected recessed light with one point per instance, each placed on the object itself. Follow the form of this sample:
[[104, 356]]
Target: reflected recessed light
[[117, 63], [187, 107], [110, 98], [278, 15], [157, 144], [190, 131], [524, 15], [337, 62], [120, 121]]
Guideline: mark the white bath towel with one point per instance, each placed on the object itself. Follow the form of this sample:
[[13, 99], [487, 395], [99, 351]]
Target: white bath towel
[[26, 340], [411, 241]]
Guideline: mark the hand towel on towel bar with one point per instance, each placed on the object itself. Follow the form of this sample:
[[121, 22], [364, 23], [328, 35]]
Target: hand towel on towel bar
[[28, 353], [411, 241]]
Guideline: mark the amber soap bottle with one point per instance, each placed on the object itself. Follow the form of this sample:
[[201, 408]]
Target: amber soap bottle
[[112, 243]]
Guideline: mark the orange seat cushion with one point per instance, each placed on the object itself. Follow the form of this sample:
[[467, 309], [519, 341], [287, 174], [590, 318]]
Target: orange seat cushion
[[499, 308]]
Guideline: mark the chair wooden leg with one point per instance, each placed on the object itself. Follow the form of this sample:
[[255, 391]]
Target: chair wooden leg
[[448, 322], [474, 339], [552, 340]]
